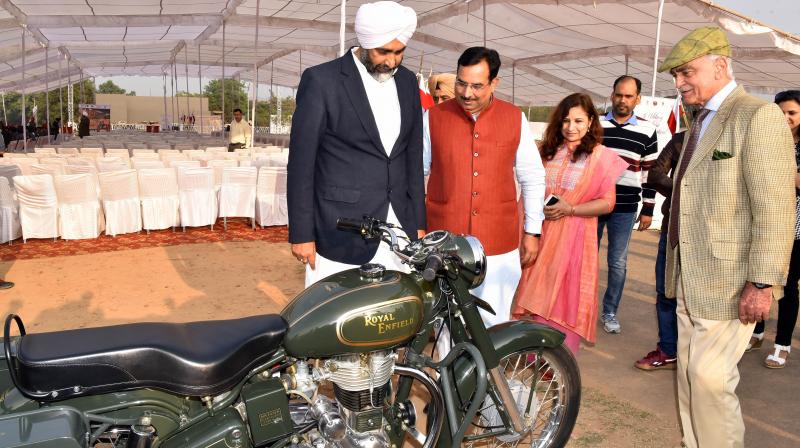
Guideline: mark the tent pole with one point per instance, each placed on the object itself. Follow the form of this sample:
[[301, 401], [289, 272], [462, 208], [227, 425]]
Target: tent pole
[[223, 81], [24, 127], [47, 92], [514, 83], [5, 118], [255, 78], [166, 114], [177, 117], [626, 63], [200, 78], [83, 98], [186, 70], [342, 27], [60, 97], [658, 41], [70, 96], [484, 22]]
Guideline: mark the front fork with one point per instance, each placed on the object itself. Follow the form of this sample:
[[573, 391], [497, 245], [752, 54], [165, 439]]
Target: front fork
[[487, 355]]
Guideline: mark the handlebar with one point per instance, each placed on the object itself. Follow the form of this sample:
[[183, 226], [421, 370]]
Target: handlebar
[[350, 224], [432, 266]]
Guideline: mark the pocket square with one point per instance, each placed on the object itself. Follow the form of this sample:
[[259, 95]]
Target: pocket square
[[719, 155]]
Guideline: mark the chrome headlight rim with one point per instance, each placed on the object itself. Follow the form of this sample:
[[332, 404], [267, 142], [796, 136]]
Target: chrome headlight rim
[[479, 257]]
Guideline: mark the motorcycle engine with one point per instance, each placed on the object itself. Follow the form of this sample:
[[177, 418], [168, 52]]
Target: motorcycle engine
[[360, 385]]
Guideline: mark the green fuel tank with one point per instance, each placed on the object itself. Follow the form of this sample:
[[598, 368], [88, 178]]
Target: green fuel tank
[[356, 311]]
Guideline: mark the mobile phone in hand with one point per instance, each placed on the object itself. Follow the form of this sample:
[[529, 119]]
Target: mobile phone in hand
[[551, 200]]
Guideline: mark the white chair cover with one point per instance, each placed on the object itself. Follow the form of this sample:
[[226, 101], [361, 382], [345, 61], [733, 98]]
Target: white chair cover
[[10, 228], [80, 214], [237, 194], [44, 150], [119, 191], [271, 208], [146, 155], [185, 164], [34, 155], [218, 166], [68, 151], [81, 169], [246, 162], [168, 152], [14, 155], [10, 172], [92, 151], [143, 164], [25, 165], [53, 161], [38, 206], [198, 198], [82, 161], [117, 152], [158, 191], [51, 169], [139, 151], [111, 164]]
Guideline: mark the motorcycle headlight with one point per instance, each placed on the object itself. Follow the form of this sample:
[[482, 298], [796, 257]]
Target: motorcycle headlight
[[474, 259]]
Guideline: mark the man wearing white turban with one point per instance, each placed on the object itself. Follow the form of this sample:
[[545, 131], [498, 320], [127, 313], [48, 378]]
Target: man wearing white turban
[[356, 147]]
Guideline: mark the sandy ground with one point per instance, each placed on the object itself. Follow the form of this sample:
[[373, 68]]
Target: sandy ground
[[622, 407]]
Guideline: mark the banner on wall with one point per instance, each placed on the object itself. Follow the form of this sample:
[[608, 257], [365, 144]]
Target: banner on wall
[[99, 116]]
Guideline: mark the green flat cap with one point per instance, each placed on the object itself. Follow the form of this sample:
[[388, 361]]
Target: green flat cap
[[700, 42]]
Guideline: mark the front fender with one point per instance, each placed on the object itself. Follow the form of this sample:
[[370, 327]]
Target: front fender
[[507, 338]]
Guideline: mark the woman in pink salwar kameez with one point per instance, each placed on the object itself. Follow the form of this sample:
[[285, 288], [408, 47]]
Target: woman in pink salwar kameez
[[560, 288]]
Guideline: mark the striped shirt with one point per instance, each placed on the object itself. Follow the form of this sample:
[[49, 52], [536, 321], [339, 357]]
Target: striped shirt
[[636, 142]]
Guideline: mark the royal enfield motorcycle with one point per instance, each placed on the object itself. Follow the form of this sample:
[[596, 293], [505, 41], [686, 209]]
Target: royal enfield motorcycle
[[345, 365]]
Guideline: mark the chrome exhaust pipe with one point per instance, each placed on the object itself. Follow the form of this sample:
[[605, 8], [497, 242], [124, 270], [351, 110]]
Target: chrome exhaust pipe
[[435, 413]]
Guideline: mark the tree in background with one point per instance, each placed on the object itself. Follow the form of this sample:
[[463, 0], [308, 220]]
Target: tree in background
[[14, 103], [110, 88], [235, 97]]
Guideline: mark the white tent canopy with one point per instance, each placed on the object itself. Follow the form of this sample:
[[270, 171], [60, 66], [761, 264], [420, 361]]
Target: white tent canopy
[[549, 47]]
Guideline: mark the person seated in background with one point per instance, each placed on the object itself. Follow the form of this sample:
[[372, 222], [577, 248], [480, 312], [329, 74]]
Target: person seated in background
[[442, 87], [240, 132]]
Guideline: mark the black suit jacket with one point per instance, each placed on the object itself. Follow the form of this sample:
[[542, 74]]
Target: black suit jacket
[[339, 168]]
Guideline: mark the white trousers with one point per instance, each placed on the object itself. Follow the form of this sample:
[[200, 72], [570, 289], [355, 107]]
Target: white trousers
[[325, 267]]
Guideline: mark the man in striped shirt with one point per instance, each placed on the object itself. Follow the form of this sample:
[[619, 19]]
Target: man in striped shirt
[[634, 139]]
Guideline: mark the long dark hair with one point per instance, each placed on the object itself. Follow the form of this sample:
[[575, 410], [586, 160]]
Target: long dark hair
[[553, 138]]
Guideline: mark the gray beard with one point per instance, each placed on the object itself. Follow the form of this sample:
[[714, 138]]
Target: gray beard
[[378, 76]]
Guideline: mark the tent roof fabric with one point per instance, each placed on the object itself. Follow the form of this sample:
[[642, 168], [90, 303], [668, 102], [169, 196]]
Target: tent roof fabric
[[549, 47]]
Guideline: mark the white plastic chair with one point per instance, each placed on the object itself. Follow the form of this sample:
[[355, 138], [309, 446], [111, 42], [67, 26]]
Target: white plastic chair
[[119, 191], [198, 199], [158, 191], [10, 228], [140, 164], [237, 194], [271, 207], [80, 214], [38, 206]]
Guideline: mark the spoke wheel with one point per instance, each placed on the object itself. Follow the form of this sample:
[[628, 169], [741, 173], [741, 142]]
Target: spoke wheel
[[553, 376]]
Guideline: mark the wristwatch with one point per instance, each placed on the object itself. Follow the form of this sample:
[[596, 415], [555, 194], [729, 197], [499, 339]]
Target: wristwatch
[[537, 235], [762, 285]]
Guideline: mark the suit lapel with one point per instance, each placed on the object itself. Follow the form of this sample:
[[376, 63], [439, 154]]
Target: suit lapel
[[406, 109], [714, 130], [358, 97]]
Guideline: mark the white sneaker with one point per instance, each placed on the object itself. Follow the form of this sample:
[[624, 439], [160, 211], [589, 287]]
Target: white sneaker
[[611, 324]]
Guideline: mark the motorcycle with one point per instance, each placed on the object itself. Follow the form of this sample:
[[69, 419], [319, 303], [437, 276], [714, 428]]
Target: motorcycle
[[343, 365]]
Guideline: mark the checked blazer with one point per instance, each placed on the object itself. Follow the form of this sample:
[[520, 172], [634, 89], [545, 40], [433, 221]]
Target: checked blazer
[[737, 208]]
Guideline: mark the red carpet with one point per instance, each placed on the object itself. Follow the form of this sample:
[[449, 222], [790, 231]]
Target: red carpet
[[238, 230]]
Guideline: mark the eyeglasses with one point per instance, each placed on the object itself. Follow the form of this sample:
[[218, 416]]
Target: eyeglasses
[[475, 87]]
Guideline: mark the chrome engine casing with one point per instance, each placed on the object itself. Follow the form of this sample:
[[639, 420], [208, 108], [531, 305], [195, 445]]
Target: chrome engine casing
[[355, 418]]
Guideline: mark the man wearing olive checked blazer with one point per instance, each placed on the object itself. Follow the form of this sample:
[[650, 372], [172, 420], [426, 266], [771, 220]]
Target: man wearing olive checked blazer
[[730, 232]]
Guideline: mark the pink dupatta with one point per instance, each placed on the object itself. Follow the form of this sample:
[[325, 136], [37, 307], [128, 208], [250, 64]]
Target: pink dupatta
[[561, 286]]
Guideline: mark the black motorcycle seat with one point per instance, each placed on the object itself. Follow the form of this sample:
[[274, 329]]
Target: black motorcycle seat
[[194, 359]]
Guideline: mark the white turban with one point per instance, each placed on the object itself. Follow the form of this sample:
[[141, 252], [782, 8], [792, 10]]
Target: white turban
[[379, 23]]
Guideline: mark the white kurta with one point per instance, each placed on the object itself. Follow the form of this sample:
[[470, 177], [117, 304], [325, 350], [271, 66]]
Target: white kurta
[[385, 106]]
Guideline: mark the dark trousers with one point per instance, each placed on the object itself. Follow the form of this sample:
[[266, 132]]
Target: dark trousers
[[665, 307], [234, 146], [788, 305]]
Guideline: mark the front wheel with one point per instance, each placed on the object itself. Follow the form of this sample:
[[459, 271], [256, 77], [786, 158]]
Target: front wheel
[[552, 374]]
